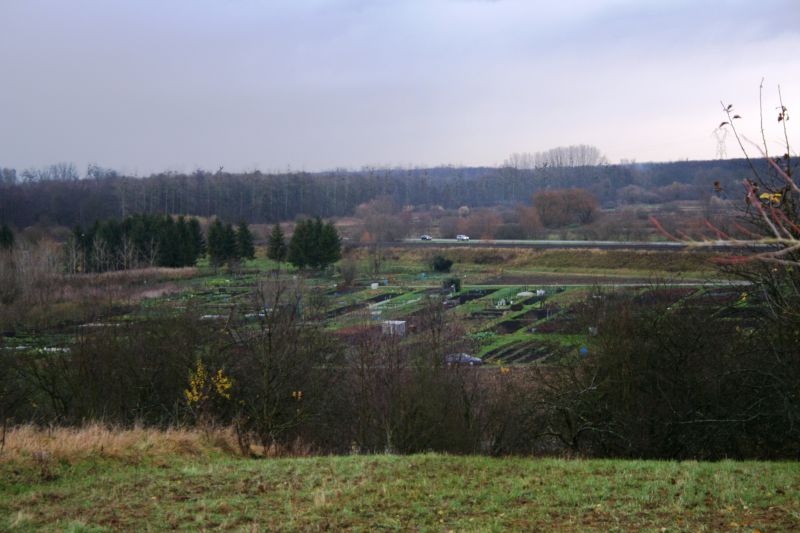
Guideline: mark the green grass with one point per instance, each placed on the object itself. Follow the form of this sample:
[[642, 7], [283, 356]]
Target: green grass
[[400, 493]]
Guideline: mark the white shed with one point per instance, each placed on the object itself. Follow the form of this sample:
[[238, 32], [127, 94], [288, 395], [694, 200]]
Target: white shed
[[394, 327]]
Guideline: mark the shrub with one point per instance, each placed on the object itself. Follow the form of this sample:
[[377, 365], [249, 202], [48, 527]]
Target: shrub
[[348, 268], [441, 264], [675, 381], [453, 284], [559, 208]]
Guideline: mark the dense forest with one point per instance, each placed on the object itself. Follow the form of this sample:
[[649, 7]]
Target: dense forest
[[59, 195]]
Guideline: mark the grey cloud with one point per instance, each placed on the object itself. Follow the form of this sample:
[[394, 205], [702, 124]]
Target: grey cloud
[[322, 83]]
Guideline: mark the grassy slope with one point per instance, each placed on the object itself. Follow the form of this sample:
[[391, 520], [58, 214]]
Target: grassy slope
[[427, 492]]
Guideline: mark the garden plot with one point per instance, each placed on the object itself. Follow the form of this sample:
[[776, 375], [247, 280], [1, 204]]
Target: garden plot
[[473, 294], [510, 326], [389, 304], [355, 306], [510, 320], [546, 327], [524, 352], [505, 317]]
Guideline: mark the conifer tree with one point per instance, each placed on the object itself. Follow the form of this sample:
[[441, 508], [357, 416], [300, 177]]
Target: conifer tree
[[276, 250], [314, 253], [169, 250], [196, 236], [230, 246], [144, 242], [216, 236], [244, 240], [314, 244], [223, 246], [300, 243], [330, 245], [185, 244]]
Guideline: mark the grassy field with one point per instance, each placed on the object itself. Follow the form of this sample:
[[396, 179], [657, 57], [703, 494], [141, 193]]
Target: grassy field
[[96, 480]]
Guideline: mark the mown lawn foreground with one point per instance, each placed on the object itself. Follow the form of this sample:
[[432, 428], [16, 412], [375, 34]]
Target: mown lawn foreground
[[373, 493]]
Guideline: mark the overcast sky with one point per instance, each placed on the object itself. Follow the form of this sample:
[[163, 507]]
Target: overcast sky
[[150, 85]]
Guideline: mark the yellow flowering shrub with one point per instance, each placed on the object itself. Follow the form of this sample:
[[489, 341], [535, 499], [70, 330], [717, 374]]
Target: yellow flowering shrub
[[773, 198], [203, 385]]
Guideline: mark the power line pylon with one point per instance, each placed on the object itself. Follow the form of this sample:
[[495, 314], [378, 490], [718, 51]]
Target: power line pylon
[[721, 134]]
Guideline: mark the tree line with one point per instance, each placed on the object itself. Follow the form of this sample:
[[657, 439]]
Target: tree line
[[134, 242], [164, 241], [267, 198], [581, 155], [155, 240]]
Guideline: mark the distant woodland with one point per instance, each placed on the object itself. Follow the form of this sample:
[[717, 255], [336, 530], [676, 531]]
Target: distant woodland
[[61, 195]]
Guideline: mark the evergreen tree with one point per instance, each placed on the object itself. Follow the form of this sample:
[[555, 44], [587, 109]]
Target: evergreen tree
[[244, 241], [300, 244], [230, 246], [314, 253], [169, 248], [144, 239], [314, 244], [6, 238], [185, 244], [277, 245], [330, 245], [216, 235], [198, 242], [150, 240]]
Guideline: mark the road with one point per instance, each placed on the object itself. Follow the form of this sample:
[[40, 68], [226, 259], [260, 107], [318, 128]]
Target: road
[[707, 246]]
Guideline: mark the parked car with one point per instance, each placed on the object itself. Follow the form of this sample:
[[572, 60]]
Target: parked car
[[462, 237], [462, 359], [426, 238]]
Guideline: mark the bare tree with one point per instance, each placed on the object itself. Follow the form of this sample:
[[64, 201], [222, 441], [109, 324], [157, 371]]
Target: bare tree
[[580, 155], [383, 221], [127, 253], [56, 172], [281, 367], [102, 257]]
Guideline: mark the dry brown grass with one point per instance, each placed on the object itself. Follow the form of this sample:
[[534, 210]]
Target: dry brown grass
[[97, 440], [129, 286], [138, 276], [46, 445], [52, 298]]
